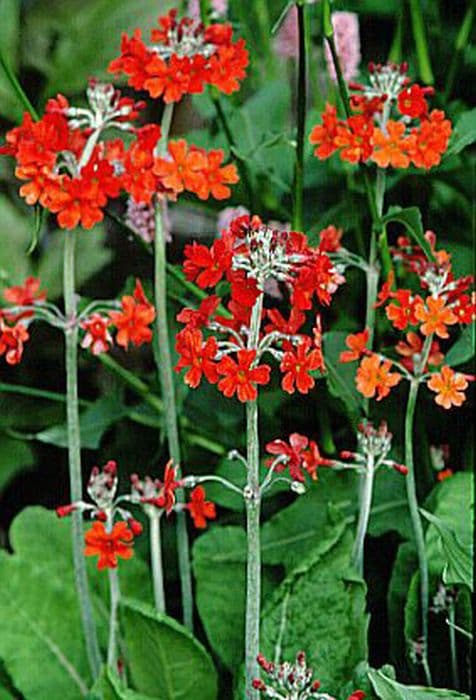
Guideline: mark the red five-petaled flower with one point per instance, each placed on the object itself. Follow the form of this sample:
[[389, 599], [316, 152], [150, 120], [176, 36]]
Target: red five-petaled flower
[[200, 509], [108, 546], [296, 365], [357, 344], [242, 377], [135, 318]]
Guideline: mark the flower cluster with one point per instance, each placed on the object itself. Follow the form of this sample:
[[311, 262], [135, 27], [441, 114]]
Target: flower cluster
[[424, 315], [247, 256], [14, 322], [183, 56], [373, 447], [157, 497], [106, 539], [390, 124], [295, 681], [73, 174]]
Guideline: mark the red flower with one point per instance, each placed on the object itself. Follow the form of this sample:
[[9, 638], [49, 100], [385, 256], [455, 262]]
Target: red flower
[[166, 497], [200, 509], [357, 344], [386, 292], [198, 355], [206, 266], [108, 546], [294, 451], [241, 377], [26, 294], [135, 318], [329, 239], [324, 134], [97, 336], [197, 318], [183, 168], [138, 178], [403, 314], [216, 177], [12, 339], [412, 103], [296, 365], [281, 325], [374, 377], [465, 308], [430, 140]]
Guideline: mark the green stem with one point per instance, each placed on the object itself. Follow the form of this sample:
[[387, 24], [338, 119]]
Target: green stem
[[416, 520], [156, 561], [301, 122], [253, 508], [168, 388], [74, 454], [17, 88], [453, 649], [114, 599], [462, 40], [421, 44], [357, 557]]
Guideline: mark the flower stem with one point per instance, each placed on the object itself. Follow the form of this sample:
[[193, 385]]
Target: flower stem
[[167, 383], [156, 560], [421, 44], [364, 516], [74, 454], [253, 507], [453, 649], [301, 122], [114, 598], [416, 521]]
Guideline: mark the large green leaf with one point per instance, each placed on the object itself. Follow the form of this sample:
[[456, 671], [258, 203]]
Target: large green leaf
[[165, 660], [320, 608], [411, 219], [464, 348], [459, 557], [110, 687], [388, 689], [15, 455], [464, 133]]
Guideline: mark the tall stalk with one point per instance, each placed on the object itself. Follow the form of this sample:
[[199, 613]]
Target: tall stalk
[[421, 44], [253, 509], [156, 560], [167, 383], [74, 454], [301, 122]]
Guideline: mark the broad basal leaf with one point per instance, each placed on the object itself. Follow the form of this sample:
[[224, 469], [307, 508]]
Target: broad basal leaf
[[459, 557], [388, 689]]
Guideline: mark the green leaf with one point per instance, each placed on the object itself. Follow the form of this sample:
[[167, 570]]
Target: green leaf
[[459, 557], [320, 609], [464, 348], [15, 456], [165, 660], [219, 558], [94, 422], [341, 377], [91, 257], [389, 505], [10, 105], [388, 689], [411, 219], [14, 265], [110, 687], [464, 133]]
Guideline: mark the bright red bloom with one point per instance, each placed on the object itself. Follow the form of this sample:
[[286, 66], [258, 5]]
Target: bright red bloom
[[412, 103], [197, 318], [403, 314], [435, 316], [386, 292], [444, 474], [465, 308], [324, 134], [135, 318], [138, 178], [430, 140], [26, 294], [241, 377], [313, 459], [206, 266], [317, 276], [297, 365], [301, 453], [12, 340], [108, 546], [200, 509], [168, 486], [329, 239], [357, 344], [198, 355], [354, 137], [97, 336], [281, 325], [449, 387], [374, 377]]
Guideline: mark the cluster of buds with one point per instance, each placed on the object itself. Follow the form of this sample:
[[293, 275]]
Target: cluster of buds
[[287, 681], [374, 446], [444, 599]]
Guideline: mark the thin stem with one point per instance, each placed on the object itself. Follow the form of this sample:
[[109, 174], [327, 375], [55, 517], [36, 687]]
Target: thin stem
[[114, 598], [421, 44], [253, 507], [453, 649], [168, 388], [74, 455], [462, 40], [156, 561], [416, 520], [364, 516], [301, 122]]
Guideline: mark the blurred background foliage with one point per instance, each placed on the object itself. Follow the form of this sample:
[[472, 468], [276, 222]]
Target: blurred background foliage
[[55, 46]]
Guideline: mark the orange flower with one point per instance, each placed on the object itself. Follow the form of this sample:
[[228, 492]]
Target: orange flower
[[435, 316], [374, 377], [200, 509], [216, 178], [108, 546], [354, 137], [444, 474], [357, 344], [449, 387], [428, 142], [391, 148], [403, 314], [135, 318], [182, 170], [323, 135]]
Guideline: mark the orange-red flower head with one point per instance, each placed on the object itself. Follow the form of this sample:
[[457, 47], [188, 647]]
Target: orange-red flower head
[[108, 546]]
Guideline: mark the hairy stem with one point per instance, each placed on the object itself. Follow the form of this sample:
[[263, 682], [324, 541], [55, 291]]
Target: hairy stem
[[74, 454], [156, 561], [168, 388], [253, 507], [364, 516], [301, 122], [417, 525]]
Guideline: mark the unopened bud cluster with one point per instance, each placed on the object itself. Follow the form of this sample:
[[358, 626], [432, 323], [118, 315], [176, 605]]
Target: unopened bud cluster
[[374, 445], [106, 109], [185, 38], [289, 681]]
